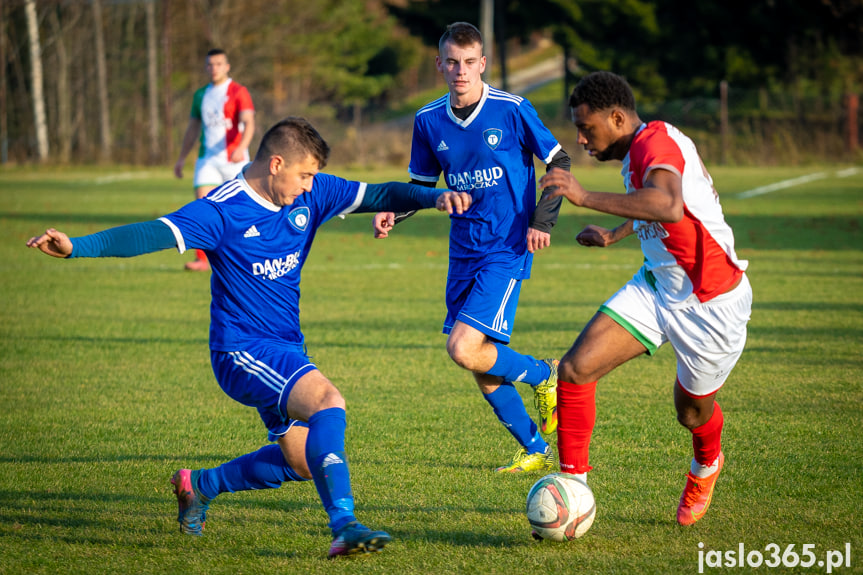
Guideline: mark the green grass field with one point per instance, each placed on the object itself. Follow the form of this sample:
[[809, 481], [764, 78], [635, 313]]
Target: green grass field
[[106, 389]]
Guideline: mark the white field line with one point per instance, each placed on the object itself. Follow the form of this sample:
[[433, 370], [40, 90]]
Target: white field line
[[781, 185], [122, 177]]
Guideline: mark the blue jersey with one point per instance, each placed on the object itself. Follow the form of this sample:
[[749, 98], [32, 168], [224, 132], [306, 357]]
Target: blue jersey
[[256, 250], [490, 155]]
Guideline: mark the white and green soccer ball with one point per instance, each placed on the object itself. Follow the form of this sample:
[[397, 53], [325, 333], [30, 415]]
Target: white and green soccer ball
[[560, 507]]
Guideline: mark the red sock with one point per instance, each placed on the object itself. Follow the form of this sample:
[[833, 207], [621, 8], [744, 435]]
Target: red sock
[[200, 255], [706, 438], [576, 412]]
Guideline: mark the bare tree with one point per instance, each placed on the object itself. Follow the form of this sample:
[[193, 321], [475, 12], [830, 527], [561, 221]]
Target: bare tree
[[36, 83], [4, 127], [102, 79], [64, 97], [167, 96], [152, 81]]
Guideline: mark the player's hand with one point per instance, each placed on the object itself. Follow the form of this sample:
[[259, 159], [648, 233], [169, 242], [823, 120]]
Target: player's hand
[[453, 202], [595, 236], [178, 168], [383, 222], [566, 185], [238, 155], [53, 243], [537, 240]]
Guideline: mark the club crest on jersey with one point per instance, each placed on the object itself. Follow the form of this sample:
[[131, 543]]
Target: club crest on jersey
[[299, 218], [492, 137]]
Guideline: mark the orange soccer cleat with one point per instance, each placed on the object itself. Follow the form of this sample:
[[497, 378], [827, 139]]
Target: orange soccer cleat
[[697, 495]]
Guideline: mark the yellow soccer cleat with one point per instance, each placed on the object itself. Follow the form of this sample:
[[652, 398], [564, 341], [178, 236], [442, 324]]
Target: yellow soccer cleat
[[523, 461], [545, 399]]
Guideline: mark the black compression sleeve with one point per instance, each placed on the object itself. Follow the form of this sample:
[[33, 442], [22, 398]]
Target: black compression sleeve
[[547, 208]]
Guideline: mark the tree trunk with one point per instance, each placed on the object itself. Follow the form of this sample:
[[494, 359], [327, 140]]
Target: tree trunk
[[4, 126], [102, 79], [486, 18], [38, 92], [500, 28], [64, 105], [152, 81], [167, 95]]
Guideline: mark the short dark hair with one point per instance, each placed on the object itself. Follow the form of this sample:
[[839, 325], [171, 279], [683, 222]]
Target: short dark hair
[[294, 138], [601, 91], [217, 52], [461, 34]]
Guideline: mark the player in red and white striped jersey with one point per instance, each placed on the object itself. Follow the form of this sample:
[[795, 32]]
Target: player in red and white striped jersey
[[223, 123], [692, 290]]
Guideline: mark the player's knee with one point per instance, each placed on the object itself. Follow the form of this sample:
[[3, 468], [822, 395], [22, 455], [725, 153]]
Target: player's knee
[[689, 417], [332, 398], [574, 370], [462, 354], [326, 399]]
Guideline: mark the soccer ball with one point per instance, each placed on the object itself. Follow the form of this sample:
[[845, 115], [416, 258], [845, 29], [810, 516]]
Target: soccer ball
[[560, 507]]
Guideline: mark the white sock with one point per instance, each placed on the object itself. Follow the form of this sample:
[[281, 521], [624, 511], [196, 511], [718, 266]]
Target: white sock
[[703, 471]]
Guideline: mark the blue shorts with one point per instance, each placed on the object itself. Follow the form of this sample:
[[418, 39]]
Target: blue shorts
[[262, 376], [486, 302]]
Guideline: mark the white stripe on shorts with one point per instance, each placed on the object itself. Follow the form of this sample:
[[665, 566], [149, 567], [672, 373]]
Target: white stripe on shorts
[[271, 378], [267, 375], [497, 325]]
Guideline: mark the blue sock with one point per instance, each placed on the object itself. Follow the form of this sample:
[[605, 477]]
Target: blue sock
[[509, 408], [513, 366], [325, 454], [265, 468]]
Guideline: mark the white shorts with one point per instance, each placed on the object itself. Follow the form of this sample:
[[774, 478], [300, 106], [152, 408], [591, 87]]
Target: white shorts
[[707, 338], [215, 171]]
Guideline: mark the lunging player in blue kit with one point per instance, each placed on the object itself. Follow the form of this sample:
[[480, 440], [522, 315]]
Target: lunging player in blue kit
[[484, 142], [257, 230]]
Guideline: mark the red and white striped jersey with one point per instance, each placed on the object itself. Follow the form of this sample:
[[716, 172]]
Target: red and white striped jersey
[[693, 260], [219, 108]]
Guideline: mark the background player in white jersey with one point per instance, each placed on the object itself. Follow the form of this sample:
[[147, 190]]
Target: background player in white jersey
[[691, 292], [257, 230], [484, 141], [223, 123]]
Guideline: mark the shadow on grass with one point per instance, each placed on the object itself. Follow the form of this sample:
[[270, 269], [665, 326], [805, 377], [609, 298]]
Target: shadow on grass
[[60, 219], [107, 459], [117, 340]]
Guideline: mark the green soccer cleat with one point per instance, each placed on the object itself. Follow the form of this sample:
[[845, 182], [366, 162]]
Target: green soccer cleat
[[523, 461], [545, 399]]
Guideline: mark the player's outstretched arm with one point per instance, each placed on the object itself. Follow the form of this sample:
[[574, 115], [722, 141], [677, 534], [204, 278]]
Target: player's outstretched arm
[[401, 197], [120, 242], [659, 200], [54, 243]]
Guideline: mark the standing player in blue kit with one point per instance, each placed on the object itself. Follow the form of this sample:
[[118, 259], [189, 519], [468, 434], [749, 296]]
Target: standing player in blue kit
[[257, 230], [484, 142]]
